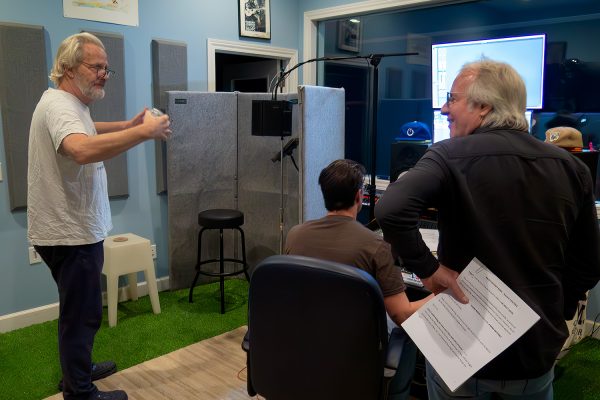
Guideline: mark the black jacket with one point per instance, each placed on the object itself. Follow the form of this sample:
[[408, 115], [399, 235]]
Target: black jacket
[[525, 209]]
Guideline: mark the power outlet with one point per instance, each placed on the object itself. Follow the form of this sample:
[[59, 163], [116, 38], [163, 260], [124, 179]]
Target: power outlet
[[153, 247], [34, 256]]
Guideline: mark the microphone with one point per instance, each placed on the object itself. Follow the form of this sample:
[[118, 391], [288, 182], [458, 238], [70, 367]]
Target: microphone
[[287, 149]]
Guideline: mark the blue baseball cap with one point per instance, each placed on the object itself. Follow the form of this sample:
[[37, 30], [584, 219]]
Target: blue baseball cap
[[414, 130]]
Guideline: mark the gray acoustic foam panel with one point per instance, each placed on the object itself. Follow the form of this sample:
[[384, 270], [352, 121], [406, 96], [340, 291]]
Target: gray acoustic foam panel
[[321, 141], [213, 161], [201, 174], [23, 79], [112, 108], [260, 183], [169, 72]]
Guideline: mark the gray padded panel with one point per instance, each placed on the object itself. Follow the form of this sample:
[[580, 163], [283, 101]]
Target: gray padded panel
[[23, 79], [321, 141], [259, 183], [169, 72], [112, 108], [213, 161], [201, 164]]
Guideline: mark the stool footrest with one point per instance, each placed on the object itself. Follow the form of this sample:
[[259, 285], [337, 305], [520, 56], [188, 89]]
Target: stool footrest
[[216, 260], [218, 274]]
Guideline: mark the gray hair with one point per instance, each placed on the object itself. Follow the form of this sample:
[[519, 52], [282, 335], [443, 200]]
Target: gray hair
[[70, 54], [498, 85]]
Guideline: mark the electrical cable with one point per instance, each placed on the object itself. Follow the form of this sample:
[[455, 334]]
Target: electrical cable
[[594, 329], [294, 162], [239, 376], [271, 83]]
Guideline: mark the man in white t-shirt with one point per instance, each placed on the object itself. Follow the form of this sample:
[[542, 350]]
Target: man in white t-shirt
[[68, 211]]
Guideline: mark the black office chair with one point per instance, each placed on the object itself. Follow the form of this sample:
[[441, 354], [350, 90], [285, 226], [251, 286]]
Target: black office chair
[[317, 330]]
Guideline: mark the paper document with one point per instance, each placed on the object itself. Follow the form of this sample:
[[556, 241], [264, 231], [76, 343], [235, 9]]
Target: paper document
[[458, 339], [431, 238]]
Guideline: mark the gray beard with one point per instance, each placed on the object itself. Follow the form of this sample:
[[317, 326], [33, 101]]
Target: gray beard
[[94, 94], [91, 92]]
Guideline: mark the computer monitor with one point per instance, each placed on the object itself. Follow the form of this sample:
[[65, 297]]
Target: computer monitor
[[590, 159], [524, 53], [441, 130]]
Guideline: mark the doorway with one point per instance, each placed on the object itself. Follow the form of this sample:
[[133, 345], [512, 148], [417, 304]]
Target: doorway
[[281, 57], [241, 73]]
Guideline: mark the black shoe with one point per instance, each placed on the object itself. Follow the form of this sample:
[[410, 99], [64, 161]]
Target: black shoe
[[112, 395], [99, 371]]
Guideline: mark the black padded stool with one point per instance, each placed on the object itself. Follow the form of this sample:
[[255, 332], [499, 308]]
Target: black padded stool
[[220, 219]]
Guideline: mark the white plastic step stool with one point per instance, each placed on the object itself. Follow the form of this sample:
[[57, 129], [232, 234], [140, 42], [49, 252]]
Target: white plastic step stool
[[128, 254]]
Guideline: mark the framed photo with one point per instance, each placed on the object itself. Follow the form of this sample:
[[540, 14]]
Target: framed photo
[[255, 18], [349, 35]]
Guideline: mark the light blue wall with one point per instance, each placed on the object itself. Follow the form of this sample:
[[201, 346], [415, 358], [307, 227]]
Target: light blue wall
[[24, 286]]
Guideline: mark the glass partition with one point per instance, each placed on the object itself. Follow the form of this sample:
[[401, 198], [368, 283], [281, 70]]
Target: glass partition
[[571, 72]]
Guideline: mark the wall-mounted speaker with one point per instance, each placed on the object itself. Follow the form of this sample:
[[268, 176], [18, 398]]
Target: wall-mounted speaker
[[405, 155]]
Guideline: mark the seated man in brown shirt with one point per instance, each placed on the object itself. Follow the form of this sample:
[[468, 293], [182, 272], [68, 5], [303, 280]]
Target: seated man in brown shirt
[[339, 237]]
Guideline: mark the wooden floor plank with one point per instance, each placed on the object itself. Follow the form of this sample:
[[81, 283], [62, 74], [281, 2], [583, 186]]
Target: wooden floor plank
[[211, 369]]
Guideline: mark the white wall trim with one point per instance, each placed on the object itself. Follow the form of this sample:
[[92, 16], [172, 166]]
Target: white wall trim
[[249, 49], [49, 312], [312, 18]]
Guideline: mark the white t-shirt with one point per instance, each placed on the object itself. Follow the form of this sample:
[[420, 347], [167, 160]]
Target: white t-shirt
[[67, 203]]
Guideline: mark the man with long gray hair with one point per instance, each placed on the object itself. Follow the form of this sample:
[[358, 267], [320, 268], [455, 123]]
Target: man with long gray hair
[[523, 207], [68, 211]]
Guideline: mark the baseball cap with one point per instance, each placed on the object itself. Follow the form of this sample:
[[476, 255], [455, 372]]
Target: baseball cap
[[564, 136], [414, 130]]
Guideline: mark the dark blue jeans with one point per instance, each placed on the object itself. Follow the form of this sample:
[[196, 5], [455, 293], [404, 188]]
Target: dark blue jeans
[[76, 270], [539, 388]]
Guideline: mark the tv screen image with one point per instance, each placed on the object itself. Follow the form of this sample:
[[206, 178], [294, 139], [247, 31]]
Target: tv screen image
[[441, 130], [523, 53]]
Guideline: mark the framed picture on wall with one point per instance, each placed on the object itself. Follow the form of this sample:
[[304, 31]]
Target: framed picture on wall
[[349, 35], [255, 18], [123, 12]]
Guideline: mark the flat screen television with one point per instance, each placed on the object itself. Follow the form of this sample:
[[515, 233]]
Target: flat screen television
[[524, 53], [441, 130]]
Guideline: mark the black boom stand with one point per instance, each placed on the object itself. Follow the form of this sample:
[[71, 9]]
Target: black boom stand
[[374, 60]]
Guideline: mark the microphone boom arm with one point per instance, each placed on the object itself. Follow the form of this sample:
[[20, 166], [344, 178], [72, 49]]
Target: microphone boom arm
[[372, 58]]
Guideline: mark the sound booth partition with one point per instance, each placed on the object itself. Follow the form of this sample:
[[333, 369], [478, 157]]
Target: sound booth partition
[[213, 161]]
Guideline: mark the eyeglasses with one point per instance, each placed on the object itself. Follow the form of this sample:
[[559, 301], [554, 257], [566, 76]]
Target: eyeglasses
[[451, 98], [101, 72]]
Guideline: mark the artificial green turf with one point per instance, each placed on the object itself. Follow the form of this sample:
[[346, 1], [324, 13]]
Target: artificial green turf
[[29, 366], [578, 372]]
